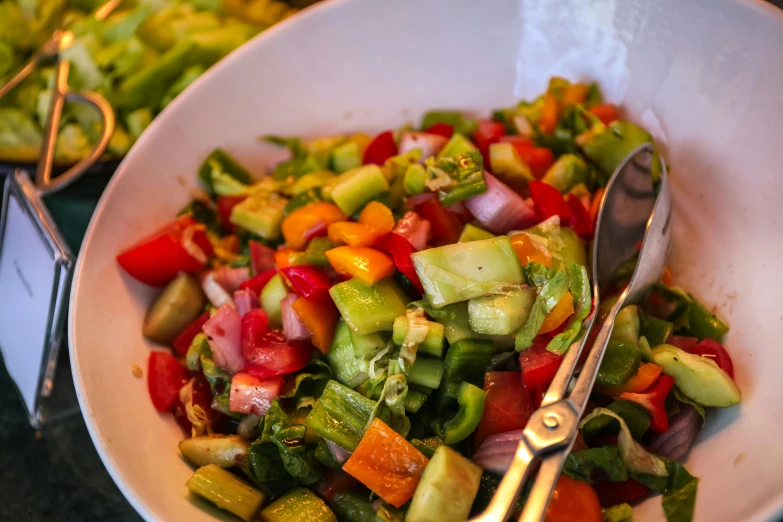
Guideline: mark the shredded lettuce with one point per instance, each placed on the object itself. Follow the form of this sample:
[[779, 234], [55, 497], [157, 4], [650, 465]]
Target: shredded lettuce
[[196, 415], [596, 465], [418, 326], [678, 488]]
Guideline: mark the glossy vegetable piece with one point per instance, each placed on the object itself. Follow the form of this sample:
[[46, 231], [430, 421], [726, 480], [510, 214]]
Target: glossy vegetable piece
[[440, 129], [226, 491], [260, 214], [266, 352], [352, 234], [581, 221], [549, 202], [182, 342], [251, 395], [463, 175], [347, 366], [180, 303], [656, 331], [433, 344], [698, 378], [573, 500], [320, 317], [568, 171], [387, 464], [257, 283], [221, 163], [636, 417], [444, 225], [704, 323], [626, 325], [471, 407], [539, 365], [298, 227], [559, 314], [368, 309], [500, 209], [350, 506], [353, 189], [165, 377], [401, 249], [653, 401], [606, 112], [377, 216], [340, 415], [381, 148], [648, 373], [608, 149], [271, 296], [549, 114], [465, 361], [501, 314], [458, 121], [225, 205], [366, 264], [620, 363], [712, 349], [308, 282], [298, 504], [457, 145], [488, 133], [507, 405], [446, 489], [225, 451], [180, 246], [529, 250], [508, 166], [474, 233]]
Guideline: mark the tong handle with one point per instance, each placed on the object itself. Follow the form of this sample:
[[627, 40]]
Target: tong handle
[[60, 94]]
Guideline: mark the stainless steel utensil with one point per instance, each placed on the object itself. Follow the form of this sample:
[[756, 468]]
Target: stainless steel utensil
[[633, 210]]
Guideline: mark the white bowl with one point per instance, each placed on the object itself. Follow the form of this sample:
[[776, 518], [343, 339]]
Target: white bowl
[[705, 76]]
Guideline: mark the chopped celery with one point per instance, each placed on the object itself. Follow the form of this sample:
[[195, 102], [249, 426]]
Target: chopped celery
[[298, 504], [462, 123], [368, 346], [260, 215], [465, 361], [415, 179], [346, 157], [568, 171], [462, 271], [433, 343], [426, 371], [474, 233], [348, 368], [369, 309], [226, 451], [175, 308], [340, 415], [457, 144], [271, 295], [226, 491], [355, 188], [501, 314]]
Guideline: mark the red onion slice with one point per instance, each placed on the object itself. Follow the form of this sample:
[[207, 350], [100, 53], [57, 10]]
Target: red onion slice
[[676, 442], [497, 451], [245, 300], [223, 334], [339, 454], [500, 209], [293, 329], [230, 278], [430, 144]]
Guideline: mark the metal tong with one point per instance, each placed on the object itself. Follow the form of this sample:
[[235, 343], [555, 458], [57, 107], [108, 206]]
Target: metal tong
[[632, 211], [49, 54]]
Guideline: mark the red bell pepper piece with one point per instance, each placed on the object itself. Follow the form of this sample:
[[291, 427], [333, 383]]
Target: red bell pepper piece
[[507, 405], [400, 249], [159, 257], [262, 257], [488, 132], [580, 221], [538, 159], [308, 282], [613, 493], [225, 205], [539, 365], [257, 283], [165, 377], [549, 202], [712, 349], [380, 149], [444, 225], [653, 401], [185, 338], [606, 112], [441, 129], [266, 352]]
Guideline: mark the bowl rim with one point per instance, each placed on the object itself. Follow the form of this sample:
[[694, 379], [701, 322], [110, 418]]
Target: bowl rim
[[769, 510]]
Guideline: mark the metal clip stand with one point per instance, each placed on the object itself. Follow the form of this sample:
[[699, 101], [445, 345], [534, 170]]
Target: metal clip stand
[[27, 234]]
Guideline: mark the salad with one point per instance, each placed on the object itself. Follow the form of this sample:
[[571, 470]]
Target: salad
[[362, 334]]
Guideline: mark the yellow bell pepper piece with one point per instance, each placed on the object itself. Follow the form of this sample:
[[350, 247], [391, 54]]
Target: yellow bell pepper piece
[[300, 223], [365, 264], [320, 319], [562, 311], [352, 234], [530, 251], [378, 216]]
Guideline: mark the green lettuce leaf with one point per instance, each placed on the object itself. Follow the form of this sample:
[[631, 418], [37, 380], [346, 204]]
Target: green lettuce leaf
[[309, 382], [579, 284], [679, 490], [551, 285], [596, 465], [679, 396], [297, 457]]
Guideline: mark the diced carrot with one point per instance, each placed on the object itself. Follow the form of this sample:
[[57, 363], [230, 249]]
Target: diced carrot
[[387, 464], [366, 264], [378, 216], [549, 114], [298, 226], [607, 113], [644, 378], [320, 318], [562, 311], [352, 234]]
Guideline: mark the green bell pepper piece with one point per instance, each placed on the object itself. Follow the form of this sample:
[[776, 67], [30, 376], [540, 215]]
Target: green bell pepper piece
[[621, 362], [704, 323], [462, 124], [466, 173], [657, 331], [465, 361], [471, 407], [220, 161], [609, 148]]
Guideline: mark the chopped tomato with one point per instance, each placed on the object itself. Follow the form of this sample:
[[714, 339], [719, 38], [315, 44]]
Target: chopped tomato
[[165, 377], [444, 225], [573, 500], [539, 365], [549, 202], [262, 257], [539, 159], [267, 353], [441, 129], [380, 149], [185, 338], [682, 342], [488, 132], [507, 405], [252, 395], [180, 246], [613, 493], [580, 221], [606, 112], [712, 349], [225, 205]]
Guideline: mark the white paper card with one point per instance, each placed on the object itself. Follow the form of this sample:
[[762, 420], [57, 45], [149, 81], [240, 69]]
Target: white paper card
[[27, 272]]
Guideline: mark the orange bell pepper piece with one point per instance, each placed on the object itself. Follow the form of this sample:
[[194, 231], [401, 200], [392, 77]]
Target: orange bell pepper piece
[[607, 113], [573, 94], [530, 251], [352, 234], [287, 256], [667, 277], [549, 114], [299, 225], [595, 205], [365, 264], [377, 216], [320, 318], [562, 311], [387, 464], [645, 377]]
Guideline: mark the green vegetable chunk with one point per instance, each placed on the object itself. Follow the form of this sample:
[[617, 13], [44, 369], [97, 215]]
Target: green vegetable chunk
[[222, 162], [350, 506], [656, 331], [414, 180], [325, 456], [357, 187], [271, 295], [618, 513], [226, 491], [562, 242], [626, 325], [552, 285], [462, 271], [175, 308], [260, 214], [474, 233], [465, 361], [368, 346], [501, 314], [609, 148], [346, 157], [296, 505], [369, 309], [697, 377], [508, 166], [596, 465], [316, 251], [635, 416], [462, 123], [447, 488], [225, 451], [457, 144], [704, 323], [457, 178], [426, 371], [433, 344], [621, 362], [471, 407], [340, 415], [567, 172], [348, 367]]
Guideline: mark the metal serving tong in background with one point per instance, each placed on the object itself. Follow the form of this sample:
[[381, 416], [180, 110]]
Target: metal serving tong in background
[[50, 54], [631, 211]]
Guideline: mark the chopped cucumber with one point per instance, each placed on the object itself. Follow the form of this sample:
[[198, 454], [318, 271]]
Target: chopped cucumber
[[568, 171], [698, 378], [507, 165], [312, 180], [175, 308], [226, 491], [346, 157], [626, 325], [474, 233], [501, 314], [355, 188], [433, 343], [298, 504], [369, 309], [271, 296], [415, 179], [458, 144], [260, 215], [348, 367]]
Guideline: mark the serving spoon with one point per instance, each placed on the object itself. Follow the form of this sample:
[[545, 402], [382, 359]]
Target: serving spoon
[[634, 209]]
